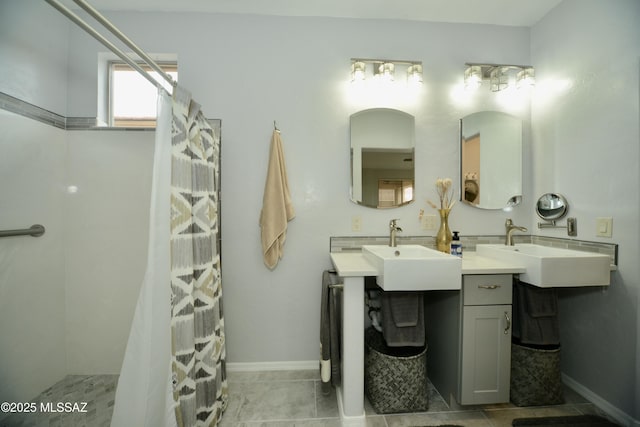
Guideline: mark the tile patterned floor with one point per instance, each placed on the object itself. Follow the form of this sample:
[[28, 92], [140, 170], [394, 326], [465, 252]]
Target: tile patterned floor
[[97, 391], [294, 398], [281, 399]]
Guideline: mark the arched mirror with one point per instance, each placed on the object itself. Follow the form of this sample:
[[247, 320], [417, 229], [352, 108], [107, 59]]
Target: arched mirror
[[382, 158], [491, 160], [551, 206]]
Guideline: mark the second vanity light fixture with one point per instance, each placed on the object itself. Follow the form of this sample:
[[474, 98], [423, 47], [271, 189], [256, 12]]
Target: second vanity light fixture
[[385, 69], [498, 76]]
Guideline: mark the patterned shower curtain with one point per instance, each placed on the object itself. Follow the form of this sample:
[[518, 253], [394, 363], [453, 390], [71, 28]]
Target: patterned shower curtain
[[197, 323]]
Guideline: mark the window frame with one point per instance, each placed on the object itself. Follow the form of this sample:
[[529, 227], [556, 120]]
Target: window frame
[[133, 122]]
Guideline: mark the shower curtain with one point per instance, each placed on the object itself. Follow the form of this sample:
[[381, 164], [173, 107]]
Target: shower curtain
[[197, 324], [173, 373]]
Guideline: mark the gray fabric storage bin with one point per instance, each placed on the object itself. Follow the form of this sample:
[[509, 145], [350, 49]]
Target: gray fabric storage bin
[[395, 378], [535, 376]]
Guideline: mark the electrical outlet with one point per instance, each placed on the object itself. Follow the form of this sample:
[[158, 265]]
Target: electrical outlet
[[429, 222], [356, 223]]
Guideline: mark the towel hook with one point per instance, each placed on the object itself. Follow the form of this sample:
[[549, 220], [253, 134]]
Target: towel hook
[[275, 127]]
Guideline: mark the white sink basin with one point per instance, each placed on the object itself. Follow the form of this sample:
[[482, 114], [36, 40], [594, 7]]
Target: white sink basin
[[548, 267], [414, 268]]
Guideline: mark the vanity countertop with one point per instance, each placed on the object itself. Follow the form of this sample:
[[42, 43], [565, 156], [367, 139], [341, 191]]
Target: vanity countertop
[[350, 264], [475, 264]]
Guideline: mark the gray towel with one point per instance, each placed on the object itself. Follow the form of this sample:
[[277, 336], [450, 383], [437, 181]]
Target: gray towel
[[403, 319], [535, 315], [329, 332], [541, 302], [405, 309]]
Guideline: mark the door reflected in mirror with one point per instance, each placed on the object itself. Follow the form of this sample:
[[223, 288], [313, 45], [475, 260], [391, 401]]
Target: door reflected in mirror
[[382, 158], [491, 160]]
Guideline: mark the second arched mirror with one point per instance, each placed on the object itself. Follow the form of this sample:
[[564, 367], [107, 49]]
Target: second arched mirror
[[491, 160]]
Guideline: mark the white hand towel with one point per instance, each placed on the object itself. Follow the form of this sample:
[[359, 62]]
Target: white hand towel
[[277, 209]]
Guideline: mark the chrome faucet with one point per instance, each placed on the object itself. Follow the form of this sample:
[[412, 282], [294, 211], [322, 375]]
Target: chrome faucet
[[393, 229], [510, 229]]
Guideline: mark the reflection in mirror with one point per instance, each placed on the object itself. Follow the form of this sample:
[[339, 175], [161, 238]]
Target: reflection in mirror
[[382, 158], [491, 160]]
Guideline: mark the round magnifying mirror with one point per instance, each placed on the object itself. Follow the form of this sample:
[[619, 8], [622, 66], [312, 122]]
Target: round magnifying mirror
[[551, 206]]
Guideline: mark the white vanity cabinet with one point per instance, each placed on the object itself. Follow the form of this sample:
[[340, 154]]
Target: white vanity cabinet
[[485, 339]]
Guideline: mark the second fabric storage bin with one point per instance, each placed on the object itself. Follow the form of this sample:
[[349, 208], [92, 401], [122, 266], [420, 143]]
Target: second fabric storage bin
[[395, 378]]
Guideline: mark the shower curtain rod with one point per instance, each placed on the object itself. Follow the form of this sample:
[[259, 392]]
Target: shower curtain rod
[[123, 38]]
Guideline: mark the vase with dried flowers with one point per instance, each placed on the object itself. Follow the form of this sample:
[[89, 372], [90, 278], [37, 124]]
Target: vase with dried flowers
[[444, 187]]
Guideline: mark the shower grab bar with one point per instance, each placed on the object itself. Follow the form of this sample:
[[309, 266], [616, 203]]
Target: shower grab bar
[[35, 230]]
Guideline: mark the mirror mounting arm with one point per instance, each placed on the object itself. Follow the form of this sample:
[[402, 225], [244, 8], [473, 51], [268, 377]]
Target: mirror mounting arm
[[572, 226]]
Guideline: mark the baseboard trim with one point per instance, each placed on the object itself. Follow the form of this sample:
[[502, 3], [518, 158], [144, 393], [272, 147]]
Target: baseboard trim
[[616, 413], [297, 365]]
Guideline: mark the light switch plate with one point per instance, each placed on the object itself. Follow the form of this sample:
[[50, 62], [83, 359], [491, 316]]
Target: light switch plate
[[604, 227]]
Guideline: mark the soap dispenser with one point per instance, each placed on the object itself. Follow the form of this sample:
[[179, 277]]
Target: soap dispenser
[[456, 245]]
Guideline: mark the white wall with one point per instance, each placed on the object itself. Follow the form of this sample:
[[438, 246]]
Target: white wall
[[32, 305], [586, 146], [251, 70]]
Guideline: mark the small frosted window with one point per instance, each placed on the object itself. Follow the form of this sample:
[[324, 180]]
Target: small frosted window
[[133, 99]]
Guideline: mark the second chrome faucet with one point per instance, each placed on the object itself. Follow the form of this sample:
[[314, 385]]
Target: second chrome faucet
[[393, 229]]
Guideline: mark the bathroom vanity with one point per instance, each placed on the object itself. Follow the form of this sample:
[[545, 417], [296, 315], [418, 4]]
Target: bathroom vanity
[[467, 315], [487, 285]]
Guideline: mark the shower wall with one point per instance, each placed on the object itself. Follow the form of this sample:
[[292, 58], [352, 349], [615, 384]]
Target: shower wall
[[32, 286], [66, 298], [106, 230], [33, 68]]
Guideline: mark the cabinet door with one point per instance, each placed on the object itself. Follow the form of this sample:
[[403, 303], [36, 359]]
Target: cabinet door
[[486, 354]]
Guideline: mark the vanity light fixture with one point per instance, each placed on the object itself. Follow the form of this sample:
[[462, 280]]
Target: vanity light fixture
[[526, 78], [498, 80], [385, 69], [358, 70], [414, 74], [498, 76], [472, 77]]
